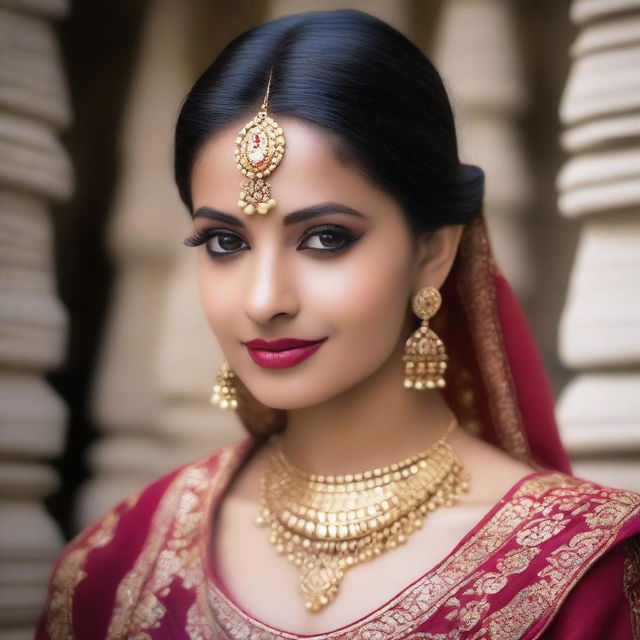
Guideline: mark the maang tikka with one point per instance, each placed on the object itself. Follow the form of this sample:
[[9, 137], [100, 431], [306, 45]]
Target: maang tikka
[[424, 356], [259, 150]]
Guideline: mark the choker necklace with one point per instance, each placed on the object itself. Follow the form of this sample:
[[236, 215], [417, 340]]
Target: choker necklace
[[325, 524]]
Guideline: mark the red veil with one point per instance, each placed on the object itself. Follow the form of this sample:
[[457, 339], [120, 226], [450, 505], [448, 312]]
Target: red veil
[[497, 385]]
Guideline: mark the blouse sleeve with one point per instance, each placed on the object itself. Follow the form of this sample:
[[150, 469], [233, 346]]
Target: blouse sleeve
[[605, 603], [86, 575]]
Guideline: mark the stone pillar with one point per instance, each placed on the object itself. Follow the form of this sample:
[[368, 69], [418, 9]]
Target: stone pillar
[[34, 172], [159, 357], [477, 54], [599, 187]]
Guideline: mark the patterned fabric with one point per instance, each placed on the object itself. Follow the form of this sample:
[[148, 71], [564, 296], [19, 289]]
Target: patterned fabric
[[556, 557]]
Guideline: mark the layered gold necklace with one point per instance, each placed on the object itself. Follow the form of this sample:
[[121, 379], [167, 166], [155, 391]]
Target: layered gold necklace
[[326, 524]]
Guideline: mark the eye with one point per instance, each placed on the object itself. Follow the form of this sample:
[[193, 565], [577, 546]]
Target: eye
[[219, 243], [224, 242], [323, 239], [329, 239]]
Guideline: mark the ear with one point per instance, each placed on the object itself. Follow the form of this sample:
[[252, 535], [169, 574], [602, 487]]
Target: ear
[[436, 253]]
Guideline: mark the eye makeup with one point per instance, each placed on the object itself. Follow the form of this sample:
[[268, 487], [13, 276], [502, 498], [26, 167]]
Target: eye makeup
[[323, 232]]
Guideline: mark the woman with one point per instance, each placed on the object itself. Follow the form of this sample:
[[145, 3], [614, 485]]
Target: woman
[[404, 467]]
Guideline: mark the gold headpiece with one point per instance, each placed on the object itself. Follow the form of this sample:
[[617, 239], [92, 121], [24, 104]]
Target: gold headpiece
[[259, 150]]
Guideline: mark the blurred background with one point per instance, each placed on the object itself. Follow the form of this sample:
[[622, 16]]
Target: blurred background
[[106, 363]]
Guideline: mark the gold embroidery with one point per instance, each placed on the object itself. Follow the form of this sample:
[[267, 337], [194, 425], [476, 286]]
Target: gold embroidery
[[69, 572], [171, 551], [166, 554], [612, 510], [566, 563], [478, 296], [544, 483], [516, 560], [512, 621], [469, 615], [540, 531], [64, 582]]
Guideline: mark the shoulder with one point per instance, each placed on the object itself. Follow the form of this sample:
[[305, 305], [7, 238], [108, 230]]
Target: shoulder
[[92, 565]]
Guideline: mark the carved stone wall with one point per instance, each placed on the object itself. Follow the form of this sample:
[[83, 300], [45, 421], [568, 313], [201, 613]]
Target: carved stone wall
[[599, 187], [34, 172]]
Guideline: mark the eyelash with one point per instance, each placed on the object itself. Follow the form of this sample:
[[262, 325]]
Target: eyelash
[[200, 237]]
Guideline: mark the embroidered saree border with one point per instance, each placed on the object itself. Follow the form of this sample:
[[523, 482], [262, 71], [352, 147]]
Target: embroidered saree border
[[171, 550], [605, 512], [69, 572], [128, 595]]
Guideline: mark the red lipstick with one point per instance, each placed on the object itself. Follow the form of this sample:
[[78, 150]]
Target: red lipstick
[[282, 353]]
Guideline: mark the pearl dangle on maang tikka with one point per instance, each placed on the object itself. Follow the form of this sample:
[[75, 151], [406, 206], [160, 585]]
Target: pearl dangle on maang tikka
[[259, 150]]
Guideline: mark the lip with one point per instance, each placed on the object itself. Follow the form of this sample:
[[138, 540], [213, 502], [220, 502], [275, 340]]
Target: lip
[[282, 353]]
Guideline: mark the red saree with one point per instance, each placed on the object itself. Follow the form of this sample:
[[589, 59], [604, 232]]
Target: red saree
[[556, 557]]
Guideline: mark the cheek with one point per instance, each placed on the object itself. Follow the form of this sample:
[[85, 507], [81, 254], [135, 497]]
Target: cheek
[[216, 295], [365, 297]]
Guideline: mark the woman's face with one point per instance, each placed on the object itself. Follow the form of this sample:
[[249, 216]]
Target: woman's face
[[332, 261]]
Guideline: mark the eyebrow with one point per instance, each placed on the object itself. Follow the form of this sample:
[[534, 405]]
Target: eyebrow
[[291, 218]]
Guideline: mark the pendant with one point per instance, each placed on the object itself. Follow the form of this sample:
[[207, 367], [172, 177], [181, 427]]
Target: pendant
[[259, 150], [319, 581]]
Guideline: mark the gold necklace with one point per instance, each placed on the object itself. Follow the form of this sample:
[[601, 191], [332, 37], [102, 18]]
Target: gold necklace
[[326, 524]]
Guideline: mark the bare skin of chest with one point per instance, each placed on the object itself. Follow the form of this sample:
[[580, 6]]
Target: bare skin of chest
[[265, 584]]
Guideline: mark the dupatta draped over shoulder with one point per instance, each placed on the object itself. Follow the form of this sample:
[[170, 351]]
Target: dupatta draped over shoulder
[[556, 557]]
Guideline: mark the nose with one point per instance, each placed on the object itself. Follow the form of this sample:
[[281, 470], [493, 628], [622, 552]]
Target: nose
[[270, 286]]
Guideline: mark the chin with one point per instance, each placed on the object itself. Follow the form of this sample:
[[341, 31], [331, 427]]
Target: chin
[[287, 400], [295, 391]]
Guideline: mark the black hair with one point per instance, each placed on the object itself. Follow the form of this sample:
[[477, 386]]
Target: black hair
[[357, 77]]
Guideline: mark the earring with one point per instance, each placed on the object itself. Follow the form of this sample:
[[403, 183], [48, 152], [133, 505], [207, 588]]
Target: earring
[[424, 356], [224, 391]]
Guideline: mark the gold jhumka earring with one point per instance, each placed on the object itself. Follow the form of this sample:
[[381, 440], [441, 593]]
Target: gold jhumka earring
[[259, 150], [224, 391], [424, 355]]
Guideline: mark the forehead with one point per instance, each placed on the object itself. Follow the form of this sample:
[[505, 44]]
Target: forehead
[[310, 171]]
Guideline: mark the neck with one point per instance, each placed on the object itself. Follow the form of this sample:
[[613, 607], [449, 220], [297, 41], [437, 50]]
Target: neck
[[373, 424]]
